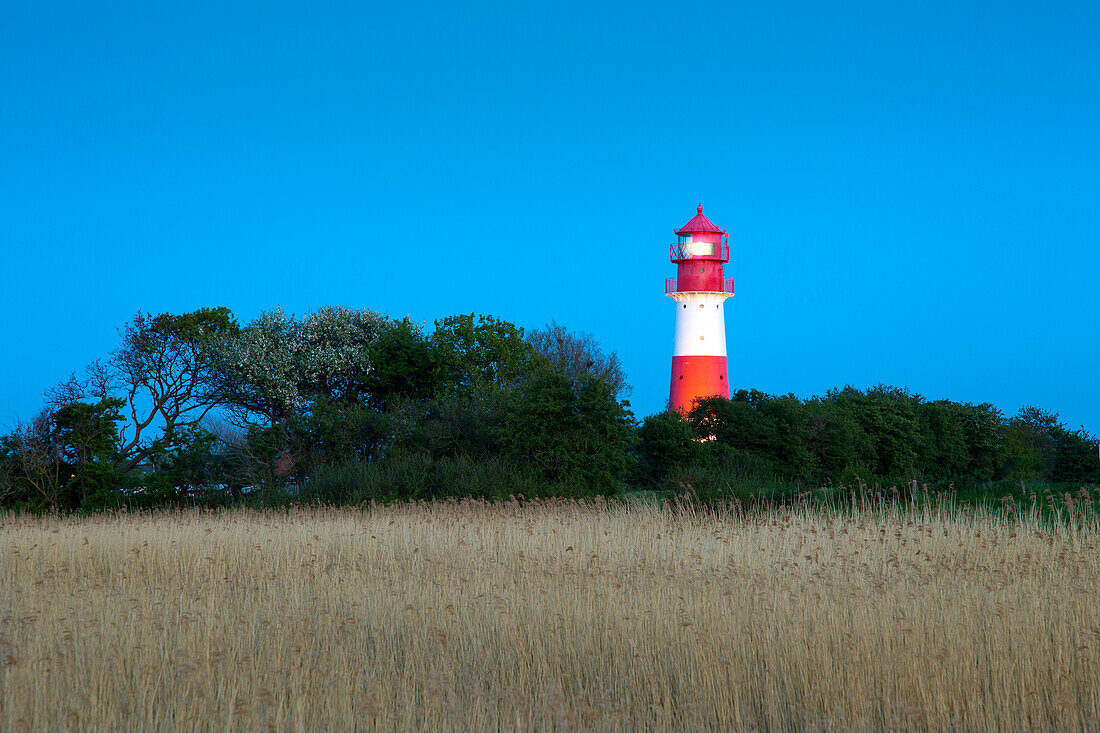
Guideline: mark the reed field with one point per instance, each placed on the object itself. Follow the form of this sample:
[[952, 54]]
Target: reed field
[[550, 616]]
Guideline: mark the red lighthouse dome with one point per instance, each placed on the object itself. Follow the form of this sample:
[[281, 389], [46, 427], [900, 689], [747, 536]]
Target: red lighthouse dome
[[699, 224]]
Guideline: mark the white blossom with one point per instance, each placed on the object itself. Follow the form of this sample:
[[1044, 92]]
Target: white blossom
[[276, 363]]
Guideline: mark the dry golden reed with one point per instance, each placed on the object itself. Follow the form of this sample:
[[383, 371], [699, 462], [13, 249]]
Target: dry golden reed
[[548, 616]]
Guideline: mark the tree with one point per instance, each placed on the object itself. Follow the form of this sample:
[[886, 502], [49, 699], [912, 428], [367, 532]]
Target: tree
[[840, 446], [66, 458], [477, 357], [333, 347], [943, 450], [1059, 454], [667, 442], [36, 463], [984, 432], [89, 432], [1077, 458], [404, 364], [889, 419], [574, 436], [256, 370], [273, 368], [1034, 445], [334, 432], [161, 375], [578, 356], [89, 440], [775, 428], [10, 491], [193, 467], [257, 459]]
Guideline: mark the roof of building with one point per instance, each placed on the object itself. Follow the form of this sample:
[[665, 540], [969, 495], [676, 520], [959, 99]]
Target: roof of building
[[699, 224]]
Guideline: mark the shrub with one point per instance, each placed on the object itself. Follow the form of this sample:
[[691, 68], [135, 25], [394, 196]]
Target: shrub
[[738, 477], [666, 442], [418, 476], [569, 434]]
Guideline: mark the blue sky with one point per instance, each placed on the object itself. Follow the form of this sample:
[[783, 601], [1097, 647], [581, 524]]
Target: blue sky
[[911, 188]]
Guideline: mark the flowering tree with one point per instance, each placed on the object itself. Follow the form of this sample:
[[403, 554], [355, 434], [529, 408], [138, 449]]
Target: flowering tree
[[274, 367], [256, 369], [334, 351]]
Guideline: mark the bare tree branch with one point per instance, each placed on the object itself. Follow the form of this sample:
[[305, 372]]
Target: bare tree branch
[[579, 355]]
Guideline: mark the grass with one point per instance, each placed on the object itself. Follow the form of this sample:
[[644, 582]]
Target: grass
[[551, 615]]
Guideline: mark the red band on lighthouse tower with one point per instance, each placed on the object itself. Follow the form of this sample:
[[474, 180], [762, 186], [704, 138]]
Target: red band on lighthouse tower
[[699, 290]]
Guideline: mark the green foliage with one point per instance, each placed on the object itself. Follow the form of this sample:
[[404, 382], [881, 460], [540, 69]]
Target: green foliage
[[889, 417], [88, 433], [417, 476], [775, 428], [666, 443], [160, 377], [984, 435], [65, 459], [87, 436], [837, 438], [150, 333], [569, 433], [455, 427], [336, 432], [347, 405], [404, 364], [188, 468], [891, 436], [1034, 442], [476, 357], [1077, 456], [943, 447], [1040, 446]]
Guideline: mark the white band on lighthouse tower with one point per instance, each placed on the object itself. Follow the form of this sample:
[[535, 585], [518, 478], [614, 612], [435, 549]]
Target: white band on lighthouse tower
[[700, 328]]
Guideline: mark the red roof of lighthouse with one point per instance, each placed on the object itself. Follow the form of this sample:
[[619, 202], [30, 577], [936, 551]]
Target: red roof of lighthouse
[[699, 224]]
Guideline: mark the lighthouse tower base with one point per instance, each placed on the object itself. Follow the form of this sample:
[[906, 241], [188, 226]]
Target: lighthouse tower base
[[694, 377]]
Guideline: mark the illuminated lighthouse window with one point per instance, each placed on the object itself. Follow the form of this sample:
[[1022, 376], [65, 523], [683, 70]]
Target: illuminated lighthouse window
[[695, 249]]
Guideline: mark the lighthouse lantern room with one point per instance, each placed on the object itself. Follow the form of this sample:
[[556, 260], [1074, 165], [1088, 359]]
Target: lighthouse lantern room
[[699, 289]]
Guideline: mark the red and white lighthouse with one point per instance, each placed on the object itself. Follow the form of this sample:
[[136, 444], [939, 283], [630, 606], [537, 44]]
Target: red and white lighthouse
[[700, 289]]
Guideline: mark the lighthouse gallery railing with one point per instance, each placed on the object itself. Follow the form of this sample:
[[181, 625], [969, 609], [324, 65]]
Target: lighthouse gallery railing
[[690, 250], [670, 287]]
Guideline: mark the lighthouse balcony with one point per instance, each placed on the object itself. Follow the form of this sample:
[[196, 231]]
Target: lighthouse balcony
[[699, 251], [672, 286]]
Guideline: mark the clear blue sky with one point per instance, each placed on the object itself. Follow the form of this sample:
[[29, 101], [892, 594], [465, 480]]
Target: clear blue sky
[[912, 188]]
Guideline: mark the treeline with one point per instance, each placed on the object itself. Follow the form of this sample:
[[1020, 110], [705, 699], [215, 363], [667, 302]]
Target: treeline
[[341, 405], [884, 435], [347, 406]]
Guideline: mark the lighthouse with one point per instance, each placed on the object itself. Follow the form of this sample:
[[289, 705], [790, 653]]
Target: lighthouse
[[699, 289]]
